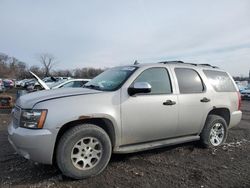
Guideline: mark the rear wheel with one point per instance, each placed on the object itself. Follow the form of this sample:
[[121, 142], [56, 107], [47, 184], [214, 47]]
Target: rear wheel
[[83, 151], [214, 132]]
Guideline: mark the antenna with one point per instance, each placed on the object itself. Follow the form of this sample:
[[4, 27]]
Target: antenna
[[136, 62]]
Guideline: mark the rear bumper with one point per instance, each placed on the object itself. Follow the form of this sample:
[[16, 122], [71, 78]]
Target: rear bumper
[[36, 145], [235, 118]]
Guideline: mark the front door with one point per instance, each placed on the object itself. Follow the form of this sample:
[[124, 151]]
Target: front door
[[152, 116]]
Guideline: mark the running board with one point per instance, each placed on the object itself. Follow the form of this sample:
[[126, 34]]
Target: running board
[[155, 144]]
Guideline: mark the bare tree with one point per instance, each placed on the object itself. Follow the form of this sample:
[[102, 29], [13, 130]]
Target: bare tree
[[87, 72], [48, 61], [37, 70]]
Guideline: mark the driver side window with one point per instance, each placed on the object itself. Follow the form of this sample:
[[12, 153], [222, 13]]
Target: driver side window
[[158, 78]]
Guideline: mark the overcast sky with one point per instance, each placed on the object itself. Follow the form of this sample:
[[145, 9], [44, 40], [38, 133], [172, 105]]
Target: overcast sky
[[107, 33]]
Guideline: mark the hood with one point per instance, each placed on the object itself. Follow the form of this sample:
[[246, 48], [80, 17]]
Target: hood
[[29, 100], [41, 82]]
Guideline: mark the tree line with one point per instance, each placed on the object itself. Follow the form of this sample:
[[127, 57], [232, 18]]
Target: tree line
[[242, 78], [12, 68]]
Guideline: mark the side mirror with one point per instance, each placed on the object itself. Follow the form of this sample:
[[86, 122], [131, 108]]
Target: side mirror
[[139, 87]]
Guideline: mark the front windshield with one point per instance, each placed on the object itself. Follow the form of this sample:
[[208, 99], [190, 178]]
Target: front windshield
[[111, 79]]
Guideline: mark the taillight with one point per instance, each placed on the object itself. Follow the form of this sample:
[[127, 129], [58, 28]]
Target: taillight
[[239, 100]]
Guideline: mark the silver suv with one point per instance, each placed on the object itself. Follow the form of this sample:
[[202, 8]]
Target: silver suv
[[125, 109]]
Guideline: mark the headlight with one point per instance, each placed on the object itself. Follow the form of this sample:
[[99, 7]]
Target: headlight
[[33, 119]]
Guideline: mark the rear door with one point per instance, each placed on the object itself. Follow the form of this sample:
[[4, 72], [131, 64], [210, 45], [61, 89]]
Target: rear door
[[193, 101]]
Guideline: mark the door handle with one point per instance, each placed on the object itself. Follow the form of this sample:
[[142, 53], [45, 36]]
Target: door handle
[[205, 99], [169, 102]]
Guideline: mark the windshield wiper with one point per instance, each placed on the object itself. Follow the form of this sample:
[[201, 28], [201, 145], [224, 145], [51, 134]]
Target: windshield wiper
[[91, 86]]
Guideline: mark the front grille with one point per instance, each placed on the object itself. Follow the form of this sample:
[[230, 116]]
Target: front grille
[[16, 115]]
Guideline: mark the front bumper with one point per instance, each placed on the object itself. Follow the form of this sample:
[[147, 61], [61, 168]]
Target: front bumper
[[36, 145], [235, 118]]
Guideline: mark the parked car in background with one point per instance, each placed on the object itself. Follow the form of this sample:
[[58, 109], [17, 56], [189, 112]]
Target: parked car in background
[[28, 83], [8, 83], [70, 83], [125, 109], [63, 83], [245, 94], [25, 82], [1, 85], [50, 81], [241, 87], [19, 83]]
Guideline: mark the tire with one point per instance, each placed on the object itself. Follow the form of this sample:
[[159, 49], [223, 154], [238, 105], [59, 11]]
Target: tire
[[83, 151], [214, 132]]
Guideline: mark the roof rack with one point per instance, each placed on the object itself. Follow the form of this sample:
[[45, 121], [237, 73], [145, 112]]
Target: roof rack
[[194, 64], [165, 62], [208, 65]]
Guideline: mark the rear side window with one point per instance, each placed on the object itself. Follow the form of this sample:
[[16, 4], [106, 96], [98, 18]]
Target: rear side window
[[189, 81], [70, 84], [158, 78], [78, 84], [220, 81]]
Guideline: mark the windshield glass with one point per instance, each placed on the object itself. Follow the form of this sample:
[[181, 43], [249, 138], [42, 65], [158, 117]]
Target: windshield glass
[[57, 83], [111, 79]]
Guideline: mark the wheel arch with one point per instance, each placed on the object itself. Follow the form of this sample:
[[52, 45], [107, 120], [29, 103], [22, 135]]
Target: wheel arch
[[222, 112], [105, 123]]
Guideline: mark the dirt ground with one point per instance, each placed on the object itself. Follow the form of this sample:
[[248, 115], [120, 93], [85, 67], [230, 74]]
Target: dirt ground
[[185, 165]]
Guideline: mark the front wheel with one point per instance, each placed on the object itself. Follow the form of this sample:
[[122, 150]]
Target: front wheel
[[83, 151], [214, 132]]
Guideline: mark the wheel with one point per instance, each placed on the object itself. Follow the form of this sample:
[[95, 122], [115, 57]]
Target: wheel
[[83, 151], [214, 132]]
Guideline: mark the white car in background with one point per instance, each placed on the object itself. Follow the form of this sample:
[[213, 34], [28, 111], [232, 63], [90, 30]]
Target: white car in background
[[70, 83], [20, 83], [51, 81]]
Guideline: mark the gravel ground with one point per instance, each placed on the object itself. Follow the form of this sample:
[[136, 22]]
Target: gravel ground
[[185, 165]]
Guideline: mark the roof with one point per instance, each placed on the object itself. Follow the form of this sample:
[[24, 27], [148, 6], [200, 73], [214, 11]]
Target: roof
[[177, 64]]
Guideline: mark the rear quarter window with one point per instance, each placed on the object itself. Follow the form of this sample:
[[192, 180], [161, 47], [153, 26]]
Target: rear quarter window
[[220, 81]]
